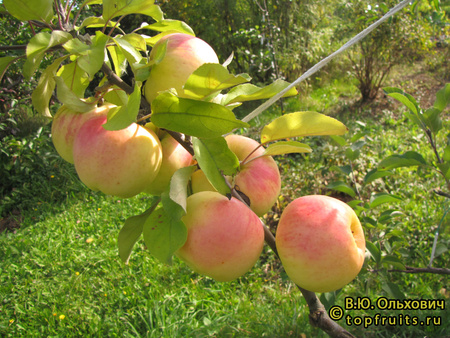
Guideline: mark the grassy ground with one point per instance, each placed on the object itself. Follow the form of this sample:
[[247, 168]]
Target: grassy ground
[[60, 275]]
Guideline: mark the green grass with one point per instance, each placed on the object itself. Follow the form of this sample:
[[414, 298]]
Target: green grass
[[60, 274]]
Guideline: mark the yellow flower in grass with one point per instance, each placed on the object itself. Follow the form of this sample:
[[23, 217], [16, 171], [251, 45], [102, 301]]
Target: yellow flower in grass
[[61, 317]]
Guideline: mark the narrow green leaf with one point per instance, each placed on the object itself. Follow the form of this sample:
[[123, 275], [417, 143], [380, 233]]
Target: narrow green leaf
[[130, 45], [178, 191], [67, 97], [127, 114], [75, 78], [404, 98], [191, 117], [131, 231], [38, 45], [376, 174], [432, 119], [115, 8], [339, 140], [393, 291], [408, 159], [46, 85], [95, 22], [163, 236], [442, 98], [211, 78], [382, 198], [342, 187], [299, 124], [249, 92], [118, 59], [286, 147], [216, 159], [374, 251], [93, 59], [5, 62], [169, 25], [26, 10], [446, 156]]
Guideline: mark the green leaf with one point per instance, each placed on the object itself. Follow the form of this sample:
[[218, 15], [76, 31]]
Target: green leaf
[[432, 119], [442, 98], [345, 169], [393, 290], [249, 92], [26, 10], [374, 251], [211, 78], [115, 8], [130, 45], [216, 159], [92, 60], [446, 156], [404, 98], [299, 124], [286, 147], [95, 22], [342, 187], [46, 85], [382, 198], [67, 97], [163, 235], [376, 174], [408, 159], [37, 47], [5, 62], [121, 118], [191, 117], [339, 140], [75, 78], [169, 25], [118, 59], [178, 191], [131, 231]]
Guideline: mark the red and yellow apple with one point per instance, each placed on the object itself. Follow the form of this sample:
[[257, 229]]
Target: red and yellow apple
[[320, 242], [184, 54], [225, 238], [121, 162], [258, 178], [174, 157], [65, 126]]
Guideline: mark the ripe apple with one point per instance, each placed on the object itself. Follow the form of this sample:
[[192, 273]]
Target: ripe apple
[[320, 242], [121, 163], [174, 157], [184, 54], [258, 179], [65, 126], [225, 238]]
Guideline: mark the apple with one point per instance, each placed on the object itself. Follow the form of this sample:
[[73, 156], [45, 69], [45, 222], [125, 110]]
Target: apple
[[174, 157], [121, 162], [225, 238], [65, 126], [320, 242], [184, 54], [259, 179]]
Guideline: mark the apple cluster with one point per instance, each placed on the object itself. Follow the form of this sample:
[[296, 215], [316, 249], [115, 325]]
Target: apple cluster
[[319, 239]]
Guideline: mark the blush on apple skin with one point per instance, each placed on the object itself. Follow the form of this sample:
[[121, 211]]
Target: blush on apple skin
[[320, 242], [225, 238], [184, 54], [120, 163]]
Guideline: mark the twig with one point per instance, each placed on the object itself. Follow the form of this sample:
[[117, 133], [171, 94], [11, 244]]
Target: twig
[[112, 77], [409, 269]]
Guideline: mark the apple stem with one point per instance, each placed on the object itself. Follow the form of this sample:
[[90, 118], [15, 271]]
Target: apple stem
[[252, 152]]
